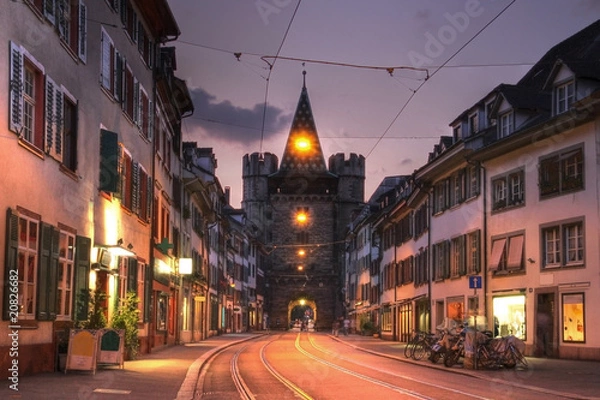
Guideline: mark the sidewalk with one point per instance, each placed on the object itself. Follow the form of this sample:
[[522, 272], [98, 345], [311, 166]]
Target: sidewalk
[[168, 373], [172, 373], [572, 379]]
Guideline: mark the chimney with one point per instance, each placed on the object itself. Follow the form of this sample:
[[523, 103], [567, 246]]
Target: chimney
[[227, 194]]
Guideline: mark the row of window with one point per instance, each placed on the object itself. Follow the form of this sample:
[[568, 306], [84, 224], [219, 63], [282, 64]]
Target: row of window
[[42, 113], [69, 18], [50, 263], [135, 29], [559, 172], [116, 77], [563, 97]]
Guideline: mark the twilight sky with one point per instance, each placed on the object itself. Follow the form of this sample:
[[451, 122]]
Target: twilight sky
[[395, 119]]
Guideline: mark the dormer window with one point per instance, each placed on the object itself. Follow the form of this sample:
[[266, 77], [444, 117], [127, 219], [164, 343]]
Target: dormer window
[[506, 124], [564, 95], [456, 133], [473, 124]]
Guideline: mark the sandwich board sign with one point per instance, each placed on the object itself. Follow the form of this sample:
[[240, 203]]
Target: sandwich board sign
[[111, 345], [82, 351]]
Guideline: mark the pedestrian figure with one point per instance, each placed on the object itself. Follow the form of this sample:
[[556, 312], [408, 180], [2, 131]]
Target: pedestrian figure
[[335, 328], [346, 326]]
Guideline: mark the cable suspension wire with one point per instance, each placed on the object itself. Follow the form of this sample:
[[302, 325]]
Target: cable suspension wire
[[432, 74], [266, 103]]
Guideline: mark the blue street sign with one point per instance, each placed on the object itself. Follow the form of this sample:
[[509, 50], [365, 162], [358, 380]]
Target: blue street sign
[[475, 282]]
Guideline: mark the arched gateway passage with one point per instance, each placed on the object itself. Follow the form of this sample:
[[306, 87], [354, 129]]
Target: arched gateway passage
[[302, 312]]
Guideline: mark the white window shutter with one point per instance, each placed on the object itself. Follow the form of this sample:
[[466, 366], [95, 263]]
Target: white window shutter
[[49, 113], [105, 72], [82, 45], [50, 10], [137, 104], [57, 149], [16, 88], [150, 120]]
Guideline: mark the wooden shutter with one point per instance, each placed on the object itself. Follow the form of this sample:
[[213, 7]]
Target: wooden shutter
[[107, 55], [132, 272], [49, 10], [82, 38], [81, 279], [11, 271], [147, 293], [54, 119], [109, 161], [16, 88], [47, 285], [50, 97], [136, 196]]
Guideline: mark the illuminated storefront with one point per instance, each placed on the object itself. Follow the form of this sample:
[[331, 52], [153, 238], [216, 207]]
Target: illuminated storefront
[[509, 316]]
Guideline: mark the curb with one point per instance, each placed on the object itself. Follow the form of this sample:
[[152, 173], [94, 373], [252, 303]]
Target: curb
[[473, 374]]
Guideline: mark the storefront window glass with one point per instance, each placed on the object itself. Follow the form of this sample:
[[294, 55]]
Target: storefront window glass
[[509, 316], [573, 317]]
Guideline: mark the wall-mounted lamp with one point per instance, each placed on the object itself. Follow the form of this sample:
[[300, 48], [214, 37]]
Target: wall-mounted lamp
[[531, 260], [185, 266], [120, 242], [130, 246]]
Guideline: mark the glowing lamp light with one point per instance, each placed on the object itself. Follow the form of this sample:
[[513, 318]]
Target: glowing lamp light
[[300, 267], [301, 217], [185, 266], [302, 144], [301, 252], [302, 302]]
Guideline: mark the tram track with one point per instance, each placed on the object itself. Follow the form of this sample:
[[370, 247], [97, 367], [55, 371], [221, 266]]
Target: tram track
[[307, 366]]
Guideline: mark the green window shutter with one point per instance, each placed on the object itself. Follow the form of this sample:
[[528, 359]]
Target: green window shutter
[[82, 278], [147, 293], [10, 270], [109, 161], [135, 188], [132, 271], [47, 285]]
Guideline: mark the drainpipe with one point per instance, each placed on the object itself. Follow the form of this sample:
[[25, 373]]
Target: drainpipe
[[429, 258], [485, 240]]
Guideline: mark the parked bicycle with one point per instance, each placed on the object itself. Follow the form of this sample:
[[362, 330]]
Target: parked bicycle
[[454, 353], [502, 352], [415, 338], [422, 349]]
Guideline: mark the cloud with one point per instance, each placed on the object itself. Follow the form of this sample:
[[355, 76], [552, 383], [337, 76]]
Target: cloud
[[223, 121]]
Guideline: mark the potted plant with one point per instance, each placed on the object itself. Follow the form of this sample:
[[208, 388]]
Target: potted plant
[[126, 318], [367, 328]]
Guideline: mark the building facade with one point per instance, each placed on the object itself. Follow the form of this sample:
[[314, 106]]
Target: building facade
[[498, 229], [90, 107]]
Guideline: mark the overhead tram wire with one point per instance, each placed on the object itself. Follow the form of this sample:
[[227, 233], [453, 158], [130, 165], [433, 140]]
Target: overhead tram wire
[[432, 74], [271, 65]]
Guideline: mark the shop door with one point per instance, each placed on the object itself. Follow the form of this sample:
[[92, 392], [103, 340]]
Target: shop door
[[545, 335]]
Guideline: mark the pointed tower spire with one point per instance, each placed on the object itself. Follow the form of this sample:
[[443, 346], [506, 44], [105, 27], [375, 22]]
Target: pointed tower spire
[[303, 153]]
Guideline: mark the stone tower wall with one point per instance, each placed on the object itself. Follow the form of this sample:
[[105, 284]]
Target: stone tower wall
[[318, 281], [256, 168], [351, 171]]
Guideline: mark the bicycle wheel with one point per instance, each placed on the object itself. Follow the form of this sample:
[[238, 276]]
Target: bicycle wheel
[[420, 350], [519, 357], [483, 358], [451, 357], [409, 349]]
